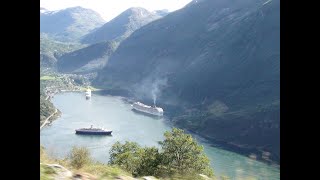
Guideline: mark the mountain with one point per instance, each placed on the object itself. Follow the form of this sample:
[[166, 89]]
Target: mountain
[[162, 12], [214, 66], [88, 59], [105, 41], [121, 26], [69, 24], [43, 10], [51, 50]]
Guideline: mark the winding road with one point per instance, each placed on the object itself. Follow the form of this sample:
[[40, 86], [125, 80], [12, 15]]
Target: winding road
[[46, 121]]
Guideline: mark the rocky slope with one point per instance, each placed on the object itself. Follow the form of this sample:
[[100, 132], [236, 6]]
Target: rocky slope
[[86, 60], [215, 64], [69, 24], [121, 26], [51, 50]]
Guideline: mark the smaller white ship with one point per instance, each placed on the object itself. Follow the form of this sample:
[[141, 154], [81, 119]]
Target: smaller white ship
[[88, 94], [140, 107]]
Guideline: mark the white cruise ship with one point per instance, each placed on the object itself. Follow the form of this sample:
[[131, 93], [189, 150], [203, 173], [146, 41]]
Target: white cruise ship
[[88, 94], [138, 106]]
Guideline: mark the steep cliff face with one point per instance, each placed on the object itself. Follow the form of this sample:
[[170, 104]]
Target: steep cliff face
[[121, 26], [88, 59], [214, 64]]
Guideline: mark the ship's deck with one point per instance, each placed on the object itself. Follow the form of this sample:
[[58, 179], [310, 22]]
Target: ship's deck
[[92, 130]]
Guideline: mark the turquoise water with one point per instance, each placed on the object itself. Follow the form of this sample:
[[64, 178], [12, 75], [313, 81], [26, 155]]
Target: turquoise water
[[113, 113]]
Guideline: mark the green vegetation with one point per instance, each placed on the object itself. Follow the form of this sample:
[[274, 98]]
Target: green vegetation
[[79, 156], [224, 178], [48, 45], [63, 82], [69, 24], [46, 108], [50, 81], [104, 171], [51, 50], [46, 172], [88, 59], [79, 162], [223, 67], [180, 155], [48, 78], [89, 87]]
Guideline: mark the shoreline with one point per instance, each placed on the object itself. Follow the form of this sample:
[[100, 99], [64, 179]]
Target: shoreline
[[47, 119], [253, 153], [249, 152], [55, 115]]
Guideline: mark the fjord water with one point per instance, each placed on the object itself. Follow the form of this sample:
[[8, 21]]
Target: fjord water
[[114, 113]]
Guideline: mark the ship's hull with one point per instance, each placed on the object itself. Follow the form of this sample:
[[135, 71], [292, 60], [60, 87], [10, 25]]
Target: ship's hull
[[93, 132], [146, 111], [145, 114]]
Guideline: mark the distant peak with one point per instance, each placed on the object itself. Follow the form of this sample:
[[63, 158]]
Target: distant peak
[[161, 12], [78, 8], [136, 10], [43, 10]]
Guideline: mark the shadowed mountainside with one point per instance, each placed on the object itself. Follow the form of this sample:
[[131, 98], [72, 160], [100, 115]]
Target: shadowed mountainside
[[215, 65]]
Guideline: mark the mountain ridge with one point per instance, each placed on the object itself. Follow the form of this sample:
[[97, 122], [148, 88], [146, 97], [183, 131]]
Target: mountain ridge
[[220, 76], [121, 26], [88, 59], [69, 24]]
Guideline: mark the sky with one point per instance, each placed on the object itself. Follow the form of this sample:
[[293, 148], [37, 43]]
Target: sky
[[109, 9]]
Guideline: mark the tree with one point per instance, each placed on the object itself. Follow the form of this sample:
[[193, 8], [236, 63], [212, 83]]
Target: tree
[[150, 161], [135, 159], [182, 155], [79, 156], [127, 156]]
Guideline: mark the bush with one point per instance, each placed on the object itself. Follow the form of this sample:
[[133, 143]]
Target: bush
[[180, 155], [79, 156]]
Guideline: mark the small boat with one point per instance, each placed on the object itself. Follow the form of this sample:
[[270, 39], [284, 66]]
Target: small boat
[[93, 131], [88, 94]]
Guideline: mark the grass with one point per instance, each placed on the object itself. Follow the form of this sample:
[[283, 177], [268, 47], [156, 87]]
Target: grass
[[46, 78], [90, 87], [46, 172], [104, 171], [97, 169]]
